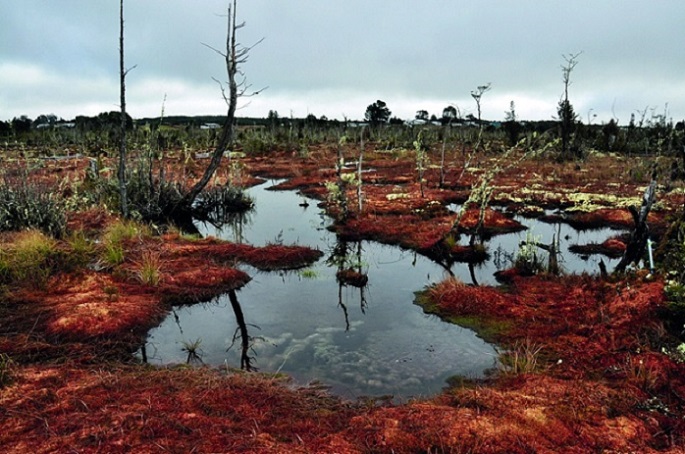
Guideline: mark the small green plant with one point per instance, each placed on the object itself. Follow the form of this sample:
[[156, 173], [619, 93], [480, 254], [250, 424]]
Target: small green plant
[[149, 268], [31, 260], [27, 205], [122, 230], [113, 252], [308, 273], [82, 250], [192, 348], [527, 260]]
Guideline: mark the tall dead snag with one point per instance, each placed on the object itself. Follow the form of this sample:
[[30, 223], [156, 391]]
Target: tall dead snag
[[121, 172], [567, 117], [635, 249], [359, 173], [235, 55]]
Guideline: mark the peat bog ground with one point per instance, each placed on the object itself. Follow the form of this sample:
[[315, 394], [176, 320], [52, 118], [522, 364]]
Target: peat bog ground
[[589, 363]]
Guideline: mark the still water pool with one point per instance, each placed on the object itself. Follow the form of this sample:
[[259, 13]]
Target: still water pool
[[369, 341]]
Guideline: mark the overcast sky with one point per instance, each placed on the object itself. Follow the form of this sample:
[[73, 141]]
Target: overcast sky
[[334, 58]]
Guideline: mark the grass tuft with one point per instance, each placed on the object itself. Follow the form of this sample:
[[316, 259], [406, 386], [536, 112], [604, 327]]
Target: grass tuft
[[148, 269], [521, 359]]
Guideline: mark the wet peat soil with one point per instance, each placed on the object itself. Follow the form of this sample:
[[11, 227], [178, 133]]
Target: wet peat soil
[[586, 362]]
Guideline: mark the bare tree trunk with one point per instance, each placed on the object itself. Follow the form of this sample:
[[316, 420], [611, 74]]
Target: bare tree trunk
[[342, 186], [121, 173], [635, 249], [448, 128], [233, 57], [359, 173]]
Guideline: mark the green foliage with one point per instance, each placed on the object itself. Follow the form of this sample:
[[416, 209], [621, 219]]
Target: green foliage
[[192, 348], [122, 230], [148, 269], [257, 142], [220, 204], [151, 197], [26, 205], [377, 113], [527, 260], [30, 260], [670, 257], [308, 273], [81, 250], [113, 252]]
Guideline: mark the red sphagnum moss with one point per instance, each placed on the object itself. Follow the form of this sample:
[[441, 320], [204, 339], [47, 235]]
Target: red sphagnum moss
[[599, 382]]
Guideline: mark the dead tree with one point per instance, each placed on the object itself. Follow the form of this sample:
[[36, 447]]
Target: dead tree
[[635, 249], [235, 55], [567, 116], [121, 172], [359, 173], [477, 95]]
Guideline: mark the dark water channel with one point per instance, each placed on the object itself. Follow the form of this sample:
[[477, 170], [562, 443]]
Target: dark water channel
[[369, 341]]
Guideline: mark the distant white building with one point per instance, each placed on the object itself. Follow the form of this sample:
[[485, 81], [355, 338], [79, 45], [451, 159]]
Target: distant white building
[[210, 126], [421, 122]]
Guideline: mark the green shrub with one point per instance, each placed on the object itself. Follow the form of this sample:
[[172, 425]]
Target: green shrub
[[30, 260], [219, 204], [113, 252], [81, 251], [527, 260], [27, 205]]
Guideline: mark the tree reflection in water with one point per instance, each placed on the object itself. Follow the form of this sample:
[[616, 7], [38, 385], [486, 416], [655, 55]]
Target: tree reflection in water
[[350, 273], [241, 332]]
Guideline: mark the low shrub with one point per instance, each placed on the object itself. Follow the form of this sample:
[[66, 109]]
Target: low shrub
[[112, 250], [219, 204], [27, 205], [30, 260]]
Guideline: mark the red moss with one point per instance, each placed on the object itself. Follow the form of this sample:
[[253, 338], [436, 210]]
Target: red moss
[[619, 218], [612, 247], [601, 384], [494, 223], [266, 258], [92, 220], [453, 297]]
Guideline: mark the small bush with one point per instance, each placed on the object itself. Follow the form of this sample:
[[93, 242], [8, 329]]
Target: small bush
[[527, 260], [81, 251], [31, 260], [219, 204], [26, 205], [113, 252], [123, 230]]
